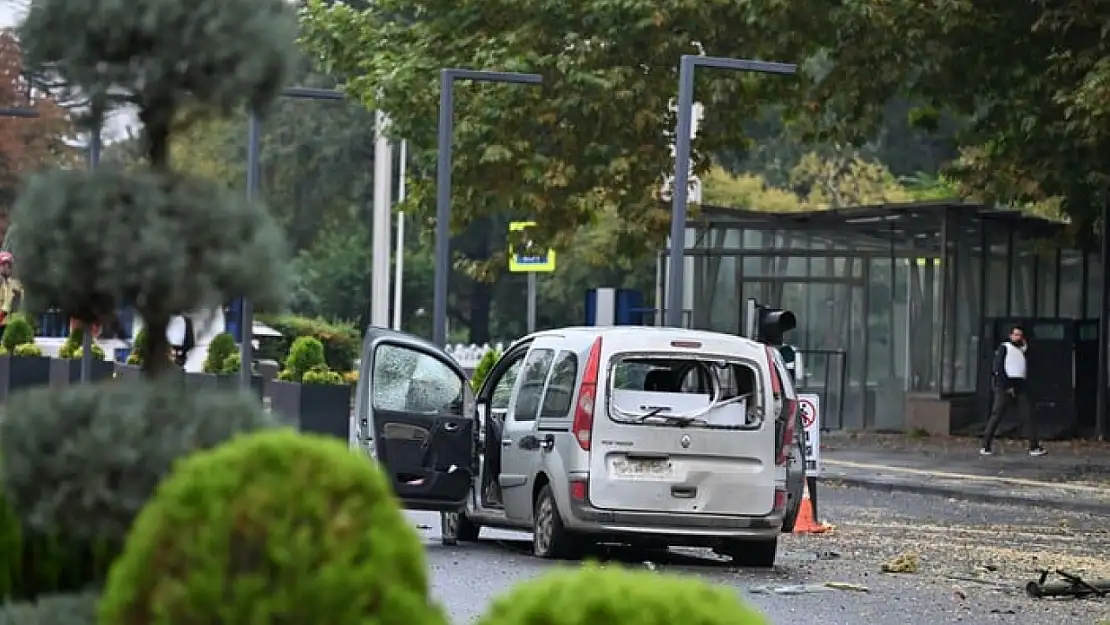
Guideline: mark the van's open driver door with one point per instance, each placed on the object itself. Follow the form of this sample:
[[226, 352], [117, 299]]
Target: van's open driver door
[[416, 413]]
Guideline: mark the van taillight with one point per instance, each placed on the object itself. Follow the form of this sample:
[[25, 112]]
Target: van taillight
[[584, 410], [785, 410]]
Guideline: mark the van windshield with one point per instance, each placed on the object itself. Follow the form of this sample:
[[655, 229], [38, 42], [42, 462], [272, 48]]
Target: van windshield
[[685, 392]]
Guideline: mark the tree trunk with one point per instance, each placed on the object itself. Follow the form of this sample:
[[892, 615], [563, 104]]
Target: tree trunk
[[156, 360], [481, 299], [481, 296]]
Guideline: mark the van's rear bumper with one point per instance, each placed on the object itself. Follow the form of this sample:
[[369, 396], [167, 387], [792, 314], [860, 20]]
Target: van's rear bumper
[[699, 528]]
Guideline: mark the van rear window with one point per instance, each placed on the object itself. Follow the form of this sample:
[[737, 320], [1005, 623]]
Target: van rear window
[[685, 392]]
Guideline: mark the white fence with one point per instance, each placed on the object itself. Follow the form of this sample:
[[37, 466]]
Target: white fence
[[468, 356]]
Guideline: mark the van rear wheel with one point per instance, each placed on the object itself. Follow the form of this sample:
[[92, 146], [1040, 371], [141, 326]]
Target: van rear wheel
[[550, 538], [751, 553]]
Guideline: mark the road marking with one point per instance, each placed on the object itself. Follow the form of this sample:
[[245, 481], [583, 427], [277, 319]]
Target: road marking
[[1079, 488]]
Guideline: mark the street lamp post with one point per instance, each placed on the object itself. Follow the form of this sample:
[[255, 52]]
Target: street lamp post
[[690, 62], [447, 78], [86, 338]]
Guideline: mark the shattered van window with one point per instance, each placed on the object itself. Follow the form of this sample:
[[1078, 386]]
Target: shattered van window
[[406, 380]]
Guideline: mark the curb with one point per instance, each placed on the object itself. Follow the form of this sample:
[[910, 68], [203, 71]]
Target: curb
[[889, 486]]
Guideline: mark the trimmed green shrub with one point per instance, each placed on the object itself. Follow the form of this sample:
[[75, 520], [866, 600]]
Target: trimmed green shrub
[[33, 563], [97, 352], [221, 346], [20, 331], [60, 609], [273, 527], [342, 341], [594, 595], [306, 354], [323, 375], [27, 350], [73, 342], [485, 365], [82, 461], [138, 348], [232, 364]]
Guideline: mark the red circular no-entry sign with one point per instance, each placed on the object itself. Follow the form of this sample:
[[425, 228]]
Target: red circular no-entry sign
[[809, 413]]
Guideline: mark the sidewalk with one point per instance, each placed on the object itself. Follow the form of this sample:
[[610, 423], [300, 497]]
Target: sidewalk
[[1074, 475]]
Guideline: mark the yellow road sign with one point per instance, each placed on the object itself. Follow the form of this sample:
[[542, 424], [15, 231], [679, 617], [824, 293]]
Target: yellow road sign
[[530, 258]]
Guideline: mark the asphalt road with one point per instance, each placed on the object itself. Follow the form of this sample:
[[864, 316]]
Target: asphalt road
[[974, 562]]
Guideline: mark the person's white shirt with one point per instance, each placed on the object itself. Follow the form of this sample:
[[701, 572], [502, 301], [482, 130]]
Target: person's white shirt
[[1015, 365]]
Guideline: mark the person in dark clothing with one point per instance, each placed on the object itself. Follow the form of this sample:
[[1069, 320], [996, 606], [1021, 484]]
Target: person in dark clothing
[[1010, 371]]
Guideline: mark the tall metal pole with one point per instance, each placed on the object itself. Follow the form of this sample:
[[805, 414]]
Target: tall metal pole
[[86, 337], [246, 324], [399, 253], [676, 268], [531, 302], [1102, 427], [380, 242], [443, 206], [447, 78]]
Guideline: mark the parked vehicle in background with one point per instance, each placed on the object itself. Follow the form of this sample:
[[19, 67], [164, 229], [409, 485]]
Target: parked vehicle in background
[[643, 435]]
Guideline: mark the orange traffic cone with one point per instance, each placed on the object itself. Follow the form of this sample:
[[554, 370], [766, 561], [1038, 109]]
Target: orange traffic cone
[[807, 521]]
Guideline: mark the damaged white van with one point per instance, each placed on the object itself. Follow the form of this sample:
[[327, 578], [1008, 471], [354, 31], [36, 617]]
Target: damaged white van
[[642, 435]]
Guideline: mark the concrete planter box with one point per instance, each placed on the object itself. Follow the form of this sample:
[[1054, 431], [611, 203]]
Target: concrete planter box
[[128, 373], [100, 370], [23, 372], [316, 408], [209, 381]]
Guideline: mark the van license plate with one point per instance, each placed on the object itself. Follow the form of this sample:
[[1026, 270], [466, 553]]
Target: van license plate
[[642, 468]]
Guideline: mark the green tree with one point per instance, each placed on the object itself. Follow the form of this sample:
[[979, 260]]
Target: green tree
[[164, 240], [594, 136], [1031, 79]]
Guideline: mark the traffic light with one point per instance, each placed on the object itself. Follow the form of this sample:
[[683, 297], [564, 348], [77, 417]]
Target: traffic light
[[773, 323]]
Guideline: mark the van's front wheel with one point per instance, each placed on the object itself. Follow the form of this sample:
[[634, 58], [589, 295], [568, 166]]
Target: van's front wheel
[[751, 553], [550, 538]]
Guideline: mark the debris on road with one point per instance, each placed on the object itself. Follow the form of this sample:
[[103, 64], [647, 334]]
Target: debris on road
[[905, 563], [807, 589], [1071, 586], [846, 586]]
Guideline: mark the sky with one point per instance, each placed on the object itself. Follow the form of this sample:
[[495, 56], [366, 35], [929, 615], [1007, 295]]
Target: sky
[[11, 12]]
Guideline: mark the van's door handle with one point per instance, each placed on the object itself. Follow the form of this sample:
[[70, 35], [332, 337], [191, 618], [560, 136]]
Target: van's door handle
[[506, 442], [684, 492], [548, 442], [450, 426]]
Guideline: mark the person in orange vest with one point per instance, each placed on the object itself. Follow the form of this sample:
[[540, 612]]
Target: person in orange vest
[[11, 291]]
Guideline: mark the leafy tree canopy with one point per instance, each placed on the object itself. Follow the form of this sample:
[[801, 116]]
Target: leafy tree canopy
[[594, 136], [162, 55], [1031, 78]]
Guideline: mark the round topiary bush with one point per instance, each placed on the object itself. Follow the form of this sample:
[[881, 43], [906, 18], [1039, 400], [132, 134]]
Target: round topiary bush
[[306, 354], [172, 241], [82, 461], [33, 563], [27, 350], [232, 364], [274, 527], [219, 349], [19, 332], [323, 375], [593, 595], [97, 352]]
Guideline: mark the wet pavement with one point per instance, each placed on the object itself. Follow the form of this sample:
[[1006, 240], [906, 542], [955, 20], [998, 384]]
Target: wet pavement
[[974, 562]]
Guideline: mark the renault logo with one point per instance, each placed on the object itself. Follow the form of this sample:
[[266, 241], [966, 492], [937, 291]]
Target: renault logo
[[684, 441]]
